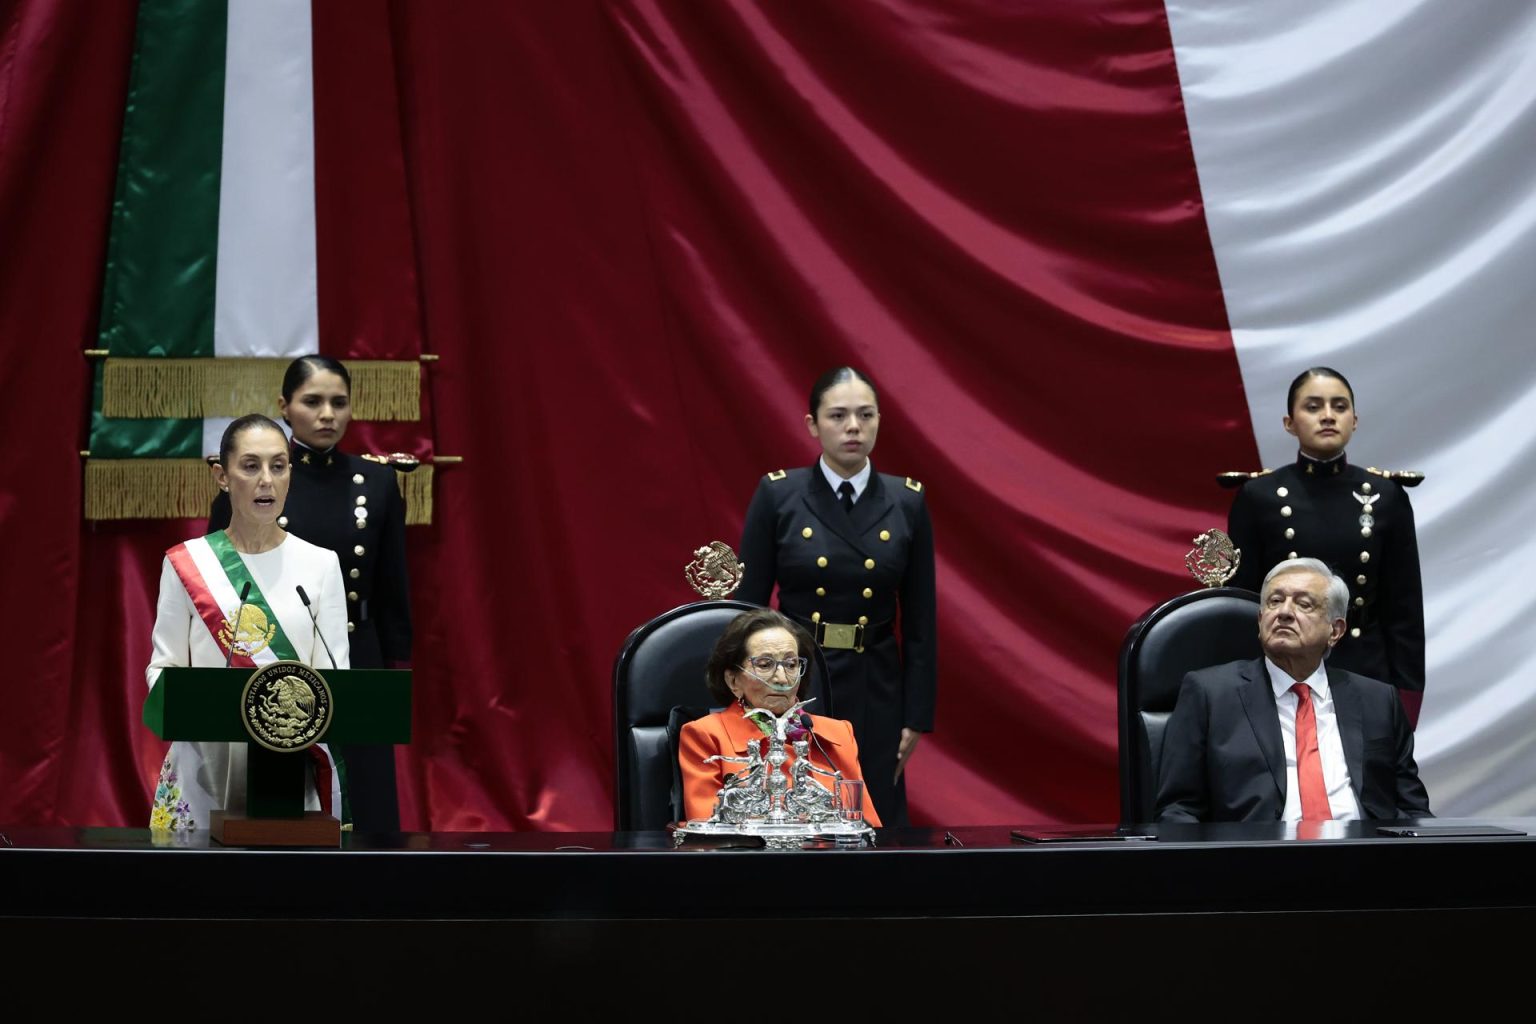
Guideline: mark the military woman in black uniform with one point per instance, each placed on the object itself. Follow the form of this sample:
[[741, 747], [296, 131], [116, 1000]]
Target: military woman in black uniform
[[851, 552], [353, 507], [1357, 520]]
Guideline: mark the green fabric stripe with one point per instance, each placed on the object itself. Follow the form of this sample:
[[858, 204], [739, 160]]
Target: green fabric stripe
[[234, 568], [141, 439], [340, 764], [158, 298]]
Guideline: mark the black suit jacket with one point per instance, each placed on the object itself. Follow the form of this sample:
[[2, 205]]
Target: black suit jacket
[[1224, 760]]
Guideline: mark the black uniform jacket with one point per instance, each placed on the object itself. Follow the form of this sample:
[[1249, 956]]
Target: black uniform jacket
[[353, 507], [1224, 759], [1319, 510], [874, 564]]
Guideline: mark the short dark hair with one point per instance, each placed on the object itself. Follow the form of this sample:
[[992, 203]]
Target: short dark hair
[[731, 649], [1308, 374], [834, 376], [305, 367], [250, 421]]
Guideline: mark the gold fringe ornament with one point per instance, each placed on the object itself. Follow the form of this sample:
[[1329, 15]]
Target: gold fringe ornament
[[198, 388]]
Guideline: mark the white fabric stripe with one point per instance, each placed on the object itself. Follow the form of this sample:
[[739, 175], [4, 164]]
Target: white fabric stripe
[[266, 303], [1370, 186], [213, 433]]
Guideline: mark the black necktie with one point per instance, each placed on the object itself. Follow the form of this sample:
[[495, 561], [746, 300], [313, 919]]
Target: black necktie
[[845, 491]]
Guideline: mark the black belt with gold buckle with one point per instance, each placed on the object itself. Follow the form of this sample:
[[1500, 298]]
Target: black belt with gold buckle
[[839, 636]]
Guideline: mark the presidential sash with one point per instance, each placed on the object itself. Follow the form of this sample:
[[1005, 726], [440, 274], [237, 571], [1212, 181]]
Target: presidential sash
[[214, 575]]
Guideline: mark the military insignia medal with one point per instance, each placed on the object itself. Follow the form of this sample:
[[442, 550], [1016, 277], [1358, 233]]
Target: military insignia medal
[[1367, 503]]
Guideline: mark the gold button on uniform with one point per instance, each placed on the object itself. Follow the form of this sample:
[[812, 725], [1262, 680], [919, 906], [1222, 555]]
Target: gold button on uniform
[[1290, 532], [1282, 492], [822, 561], [885, 534], [1366, 487], [354, 573], [868, 592], [357, 478], [863, 620], [282, 521], [1355, 632], [351, 626], [362, 524], [1360, 578], [1365, 556], [815, 616], [821, 591], [362, 499], [1285, 510], [869, 563], [1359, 602], [807, 533], [1291, 555], [359, 550], [352, 595]]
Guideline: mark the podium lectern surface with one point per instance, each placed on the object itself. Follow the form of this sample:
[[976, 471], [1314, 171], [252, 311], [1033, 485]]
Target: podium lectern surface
[[204, 705]]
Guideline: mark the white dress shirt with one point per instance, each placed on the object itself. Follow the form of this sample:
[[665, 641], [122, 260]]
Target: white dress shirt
[[1330, 746], [860, 480]]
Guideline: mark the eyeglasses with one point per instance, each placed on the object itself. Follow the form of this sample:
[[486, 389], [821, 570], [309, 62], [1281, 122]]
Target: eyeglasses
[[761, 667]]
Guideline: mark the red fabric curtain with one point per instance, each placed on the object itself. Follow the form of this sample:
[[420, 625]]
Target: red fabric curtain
[[641, 230]]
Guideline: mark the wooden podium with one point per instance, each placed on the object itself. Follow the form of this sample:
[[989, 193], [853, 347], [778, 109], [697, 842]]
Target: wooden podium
[[204, 705]]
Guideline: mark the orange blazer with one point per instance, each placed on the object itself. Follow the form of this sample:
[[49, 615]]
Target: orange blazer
[[729, 732]]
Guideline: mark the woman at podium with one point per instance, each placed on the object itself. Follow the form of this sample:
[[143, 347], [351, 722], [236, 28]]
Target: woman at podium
[[353, 507], [233, 598]]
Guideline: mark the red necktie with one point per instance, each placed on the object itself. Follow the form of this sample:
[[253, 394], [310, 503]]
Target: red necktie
[[1309, 763]]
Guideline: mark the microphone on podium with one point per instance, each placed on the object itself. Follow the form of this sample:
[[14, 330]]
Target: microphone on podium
[[316, 622], [234, 631]]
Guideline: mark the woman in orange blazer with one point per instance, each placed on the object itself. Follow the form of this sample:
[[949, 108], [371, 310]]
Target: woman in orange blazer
[[758, 662]]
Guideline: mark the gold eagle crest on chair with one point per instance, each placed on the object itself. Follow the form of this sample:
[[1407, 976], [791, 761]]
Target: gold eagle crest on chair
[[1213, 560], [715, 571]]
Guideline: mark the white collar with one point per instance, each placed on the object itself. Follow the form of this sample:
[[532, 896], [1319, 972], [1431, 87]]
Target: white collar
[[860, 480], [1280, 680]]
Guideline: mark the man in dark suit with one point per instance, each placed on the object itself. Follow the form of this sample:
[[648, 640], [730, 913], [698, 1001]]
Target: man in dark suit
[[1284, 737]]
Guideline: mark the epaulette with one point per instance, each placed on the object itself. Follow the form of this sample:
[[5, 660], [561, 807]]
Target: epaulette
[[1404, 477], [778, 474], [395, 460], [914, 485], [1237, 479]]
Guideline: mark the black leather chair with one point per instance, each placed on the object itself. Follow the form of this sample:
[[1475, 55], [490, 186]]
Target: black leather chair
[[658, 682], [1192, 631]]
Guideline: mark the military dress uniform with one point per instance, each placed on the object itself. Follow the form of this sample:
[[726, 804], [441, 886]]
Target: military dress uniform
[[846, 576], [354, 508], [1359, 522]]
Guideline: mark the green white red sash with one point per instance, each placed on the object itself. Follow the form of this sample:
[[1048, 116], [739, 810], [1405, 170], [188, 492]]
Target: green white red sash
[[214, 575]]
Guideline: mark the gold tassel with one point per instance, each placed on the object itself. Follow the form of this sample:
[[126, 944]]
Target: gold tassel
[[416, 488], [184, 489], [386, 390], [148, 489], [195, 388]]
